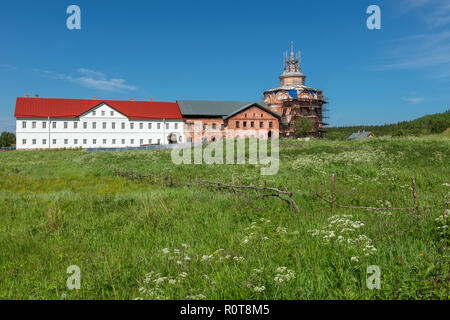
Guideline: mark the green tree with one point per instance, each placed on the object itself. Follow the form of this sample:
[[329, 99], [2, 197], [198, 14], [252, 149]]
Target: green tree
[[302, 127], [7, 139]]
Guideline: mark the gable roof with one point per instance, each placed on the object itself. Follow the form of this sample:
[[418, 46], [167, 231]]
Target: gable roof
[[73, 108], [359, 135], [224, 109]]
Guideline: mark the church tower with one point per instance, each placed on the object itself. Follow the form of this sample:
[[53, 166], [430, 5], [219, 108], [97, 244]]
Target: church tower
[[293, 99], [292, 73]]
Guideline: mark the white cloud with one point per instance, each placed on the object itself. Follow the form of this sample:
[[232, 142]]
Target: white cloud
[[414, 100], [92, 79], [429, 51]]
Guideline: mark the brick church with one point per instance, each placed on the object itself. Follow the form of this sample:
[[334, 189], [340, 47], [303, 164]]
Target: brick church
[[293, 99]]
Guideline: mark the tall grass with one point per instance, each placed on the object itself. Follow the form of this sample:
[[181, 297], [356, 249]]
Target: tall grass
[[62, 208]]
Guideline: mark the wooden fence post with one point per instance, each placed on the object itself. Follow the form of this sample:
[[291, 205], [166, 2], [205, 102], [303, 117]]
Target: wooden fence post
[[333, 197], [265, 188], [413, 182], [254, 184], [232, 183]]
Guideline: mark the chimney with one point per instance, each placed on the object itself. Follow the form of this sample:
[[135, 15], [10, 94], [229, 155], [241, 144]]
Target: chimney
[[26, 95], [37, 96], [94, 98]]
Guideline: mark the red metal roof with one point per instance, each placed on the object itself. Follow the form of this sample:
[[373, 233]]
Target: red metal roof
[[73, 108]]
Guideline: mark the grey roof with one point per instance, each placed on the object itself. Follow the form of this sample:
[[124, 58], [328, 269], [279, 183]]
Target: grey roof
[[359, 135], [222, 109]]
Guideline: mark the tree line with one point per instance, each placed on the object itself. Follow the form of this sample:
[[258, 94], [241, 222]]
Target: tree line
[[430, 124], [7, 139]]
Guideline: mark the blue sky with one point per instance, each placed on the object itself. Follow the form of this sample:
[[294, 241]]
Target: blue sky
[[230, 50]]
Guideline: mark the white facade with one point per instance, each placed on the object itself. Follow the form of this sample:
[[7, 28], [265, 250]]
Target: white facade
[[100, 127]]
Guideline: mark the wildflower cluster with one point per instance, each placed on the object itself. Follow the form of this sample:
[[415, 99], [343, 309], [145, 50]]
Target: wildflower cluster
[[443, 223], [343, 230], [219, 256], [283, 275], [264, 231]]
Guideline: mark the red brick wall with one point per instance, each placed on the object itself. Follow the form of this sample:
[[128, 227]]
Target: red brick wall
[[253, 114]]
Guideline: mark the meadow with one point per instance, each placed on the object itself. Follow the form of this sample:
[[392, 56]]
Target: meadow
[[142, 241]]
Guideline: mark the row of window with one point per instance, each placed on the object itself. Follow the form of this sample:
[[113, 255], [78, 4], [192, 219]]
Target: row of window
[[222, 126], [103, 113], [94, 125], [94, 141], [252, 124]]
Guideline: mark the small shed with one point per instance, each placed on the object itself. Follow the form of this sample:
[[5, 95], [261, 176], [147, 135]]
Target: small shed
[[361, 135]]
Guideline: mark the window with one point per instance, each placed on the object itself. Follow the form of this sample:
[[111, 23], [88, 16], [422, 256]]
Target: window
[[104, 125], [149, 141], [270, 124], [158, 125], [244, 124], [75, 141], [262, 115], [112, 113], [222, 126], [24, 124], [132, 141], [113, 141], [167, 126], [205, 126], [54, 124], [149, 125], [237, 124], [54, 141], [33, 124], [141, 126], [75, 125], [84, 141], [254, 115], [94, 125], [261, 124], [94, 141], [103, 113], [245, 115], [44, 125], [131, 125], [34, 141], [123, 141], [176, 126], [113, 125], [214, 126], [123, 125], [65, 125], [44, 141], [189, 139], [104, 141], [84, 125], [24, 141], [159, 141], [141, 141], [93, 113], [252, 124], [189, 126]]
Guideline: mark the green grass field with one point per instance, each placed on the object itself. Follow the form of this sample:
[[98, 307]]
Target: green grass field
[[131, 240]]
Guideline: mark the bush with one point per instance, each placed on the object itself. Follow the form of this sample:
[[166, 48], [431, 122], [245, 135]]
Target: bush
[[302, 127]]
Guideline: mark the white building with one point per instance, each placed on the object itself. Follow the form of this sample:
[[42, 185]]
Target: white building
[[43, 123]]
